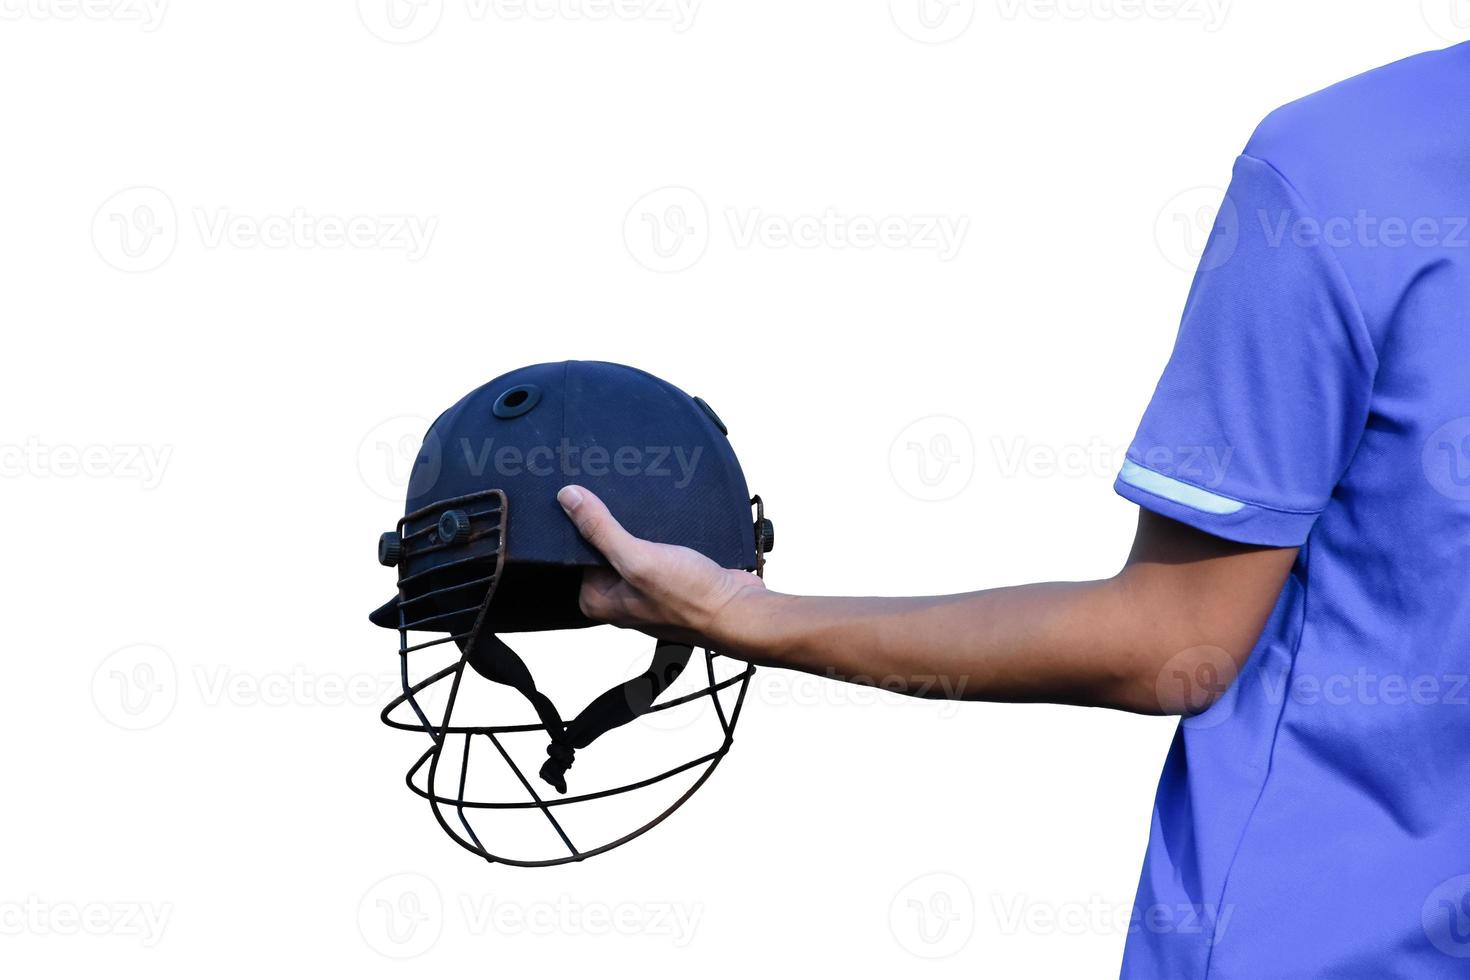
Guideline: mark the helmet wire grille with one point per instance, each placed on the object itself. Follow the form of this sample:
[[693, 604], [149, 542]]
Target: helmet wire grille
[[455, 597]]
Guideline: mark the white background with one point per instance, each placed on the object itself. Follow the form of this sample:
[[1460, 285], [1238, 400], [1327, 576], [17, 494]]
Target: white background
[[221, 340]]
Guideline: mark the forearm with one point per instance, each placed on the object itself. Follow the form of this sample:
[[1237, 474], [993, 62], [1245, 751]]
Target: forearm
[[1167, 634], [1104, 643]]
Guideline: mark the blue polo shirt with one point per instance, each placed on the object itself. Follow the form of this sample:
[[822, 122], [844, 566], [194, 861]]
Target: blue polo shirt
[[1315, 822]]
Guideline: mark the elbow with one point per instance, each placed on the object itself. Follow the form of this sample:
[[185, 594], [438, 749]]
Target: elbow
[[1185, 646], [1185, 682]]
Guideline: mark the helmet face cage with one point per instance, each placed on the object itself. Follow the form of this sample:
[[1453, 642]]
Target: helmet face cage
[[455, 597]]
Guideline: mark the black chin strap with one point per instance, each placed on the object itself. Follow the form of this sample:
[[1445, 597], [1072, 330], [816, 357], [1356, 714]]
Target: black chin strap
[[495, 661]]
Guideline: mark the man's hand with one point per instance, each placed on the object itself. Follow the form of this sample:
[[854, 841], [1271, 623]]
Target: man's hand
[[669, 592]]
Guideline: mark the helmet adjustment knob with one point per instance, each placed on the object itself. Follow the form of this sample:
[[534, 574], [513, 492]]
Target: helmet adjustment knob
[[454, 527], [390, 548], [765, 535]]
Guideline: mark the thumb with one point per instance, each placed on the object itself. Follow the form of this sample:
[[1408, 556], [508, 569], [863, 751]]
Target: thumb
[[597, 525]]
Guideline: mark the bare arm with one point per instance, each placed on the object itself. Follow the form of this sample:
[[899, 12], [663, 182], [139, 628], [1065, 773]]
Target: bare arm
[[1163, 636]]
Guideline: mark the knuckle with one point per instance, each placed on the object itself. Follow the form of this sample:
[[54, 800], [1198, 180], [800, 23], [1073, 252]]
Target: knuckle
[[637, 569]]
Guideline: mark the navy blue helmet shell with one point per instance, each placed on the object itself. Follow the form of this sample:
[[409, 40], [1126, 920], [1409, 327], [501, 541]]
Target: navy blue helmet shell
[[658, 457]]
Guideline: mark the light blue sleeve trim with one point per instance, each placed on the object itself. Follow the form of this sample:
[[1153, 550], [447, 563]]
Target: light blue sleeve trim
[[1185, 494]]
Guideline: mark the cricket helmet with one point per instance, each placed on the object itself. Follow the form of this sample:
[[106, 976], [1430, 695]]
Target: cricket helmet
[[484, 548]]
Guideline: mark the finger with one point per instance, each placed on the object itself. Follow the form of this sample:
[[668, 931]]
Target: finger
[[605, 598], [604, 580], [599, 528], [594, 602], [595, 596]]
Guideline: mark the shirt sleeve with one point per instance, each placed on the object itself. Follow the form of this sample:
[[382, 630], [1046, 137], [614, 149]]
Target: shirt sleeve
[[1266, 395]]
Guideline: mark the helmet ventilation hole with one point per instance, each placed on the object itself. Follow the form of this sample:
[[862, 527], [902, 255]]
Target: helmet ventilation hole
[[517, 401]]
